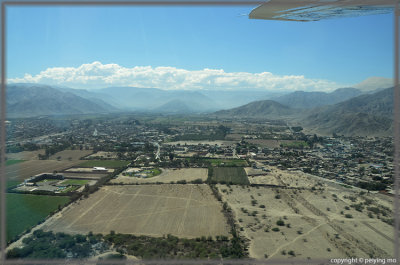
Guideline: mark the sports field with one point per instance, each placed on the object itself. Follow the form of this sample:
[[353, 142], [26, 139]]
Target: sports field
[[187, 211]]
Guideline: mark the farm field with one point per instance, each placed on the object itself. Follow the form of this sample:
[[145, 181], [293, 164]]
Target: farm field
[[21, 171], [276, 143], [10, 162], [305, 224], [186, 211], [234, 175], [75, 175], [104, 155], [25, 155], [167, 175], [25, 211], [70, 154], [104, 163]]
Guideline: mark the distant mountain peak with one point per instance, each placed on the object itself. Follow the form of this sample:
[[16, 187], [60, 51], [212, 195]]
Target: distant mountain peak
[[374, 83]]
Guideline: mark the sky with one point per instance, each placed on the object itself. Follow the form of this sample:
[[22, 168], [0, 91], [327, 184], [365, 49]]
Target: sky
[[193, 48]]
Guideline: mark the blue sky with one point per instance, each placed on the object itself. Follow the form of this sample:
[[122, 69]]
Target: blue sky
[[341, 51]]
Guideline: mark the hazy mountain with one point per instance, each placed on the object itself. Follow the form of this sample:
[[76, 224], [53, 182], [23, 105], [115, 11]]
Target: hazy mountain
[[308, 100], [374, 83], [369, 114], [174, 106], [148, 99], [226, 99], [27, 100], [258, 109]]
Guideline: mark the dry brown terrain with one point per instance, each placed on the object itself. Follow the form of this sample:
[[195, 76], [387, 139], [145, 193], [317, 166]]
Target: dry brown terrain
[[25, 155], [182, 210], [104, 155], [70, 154], [318, 226], [167, 175], [30, 168]]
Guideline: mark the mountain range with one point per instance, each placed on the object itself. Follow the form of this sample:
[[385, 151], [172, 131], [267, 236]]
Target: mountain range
[[346, 111]]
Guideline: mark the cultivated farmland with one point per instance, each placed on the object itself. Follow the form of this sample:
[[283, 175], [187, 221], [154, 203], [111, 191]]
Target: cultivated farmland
[[21, 171], [25, 211], [187, 211], [232, 175], [104, 163], [70, 154], [167, 175]]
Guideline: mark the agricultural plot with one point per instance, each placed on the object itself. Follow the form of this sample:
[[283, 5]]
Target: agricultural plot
[[21, 171], [187, 211], [25, 211], [230, 175], [70, 155], [305, 224], [103, 155], [167, 176], [25, 155], [104, 163]]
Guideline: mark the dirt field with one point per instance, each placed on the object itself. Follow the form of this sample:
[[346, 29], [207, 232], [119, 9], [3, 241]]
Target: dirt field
[[315, 224], [167, 175], [182, 210], [26, 169], [70, 154], [219, 143], [25, 155], [104, 155]]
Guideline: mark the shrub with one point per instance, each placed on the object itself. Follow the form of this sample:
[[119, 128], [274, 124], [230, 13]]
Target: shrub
[[275, 229], [280, 222], [347, 215]]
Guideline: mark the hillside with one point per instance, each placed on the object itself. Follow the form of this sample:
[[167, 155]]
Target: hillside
[[28, 100], [308, 100], [258, 109], [369, 114]]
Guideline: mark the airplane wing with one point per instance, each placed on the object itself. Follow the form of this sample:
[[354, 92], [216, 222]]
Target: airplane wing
[[314, 10]]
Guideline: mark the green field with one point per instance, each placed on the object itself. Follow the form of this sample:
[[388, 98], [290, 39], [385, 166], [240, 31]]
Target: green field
[[13, 161], [104, 163], [230, 175], [25, 211], [76, 182]]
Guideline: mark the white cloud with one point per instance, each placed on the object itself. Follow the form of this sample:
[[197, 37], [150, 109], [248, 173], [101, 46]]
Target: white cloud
[[98, 75]]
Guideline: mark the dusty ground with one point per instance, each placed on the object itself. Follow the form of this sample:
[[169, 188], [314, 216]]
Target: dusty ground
[[167, 175], [182, 143], [30, 168], [25, 155], [86, 170], [70, 154], [182, 210], [318, 227], [102, 154]]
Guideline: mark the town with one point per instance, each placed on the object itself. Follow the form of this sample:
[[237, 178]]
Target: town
[[254, 176]]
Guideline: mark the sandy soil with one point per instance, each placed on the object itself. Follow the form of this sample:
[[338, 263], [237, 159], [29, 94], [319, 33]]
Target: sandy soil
[[187, 211], [25, 155], [27, 169], [318, 225], [167, 175], [70, 154]]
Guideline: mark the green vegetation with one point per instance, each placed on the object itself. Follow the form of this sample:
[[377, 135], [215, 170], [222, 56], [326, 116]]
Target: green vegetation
[[79, 182], [47, 245], [152, 172], [69, 189], [14, 161], [104, 163], [25, 211], [229, 175], [173, 247]]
